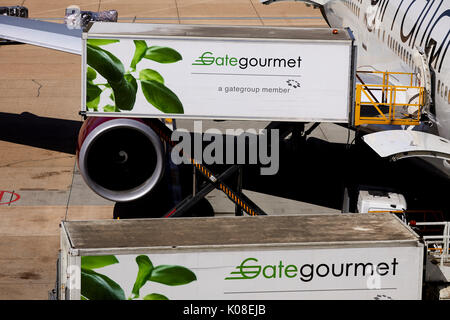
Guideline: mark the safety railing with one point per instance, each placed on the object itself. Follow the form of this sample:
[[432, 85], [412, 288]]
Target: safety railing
[[435, 234], [388, 104], [438, 245]]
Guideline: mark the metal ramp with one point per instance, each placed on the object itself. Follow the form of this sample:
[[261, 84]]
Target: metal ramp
[[41, 33]]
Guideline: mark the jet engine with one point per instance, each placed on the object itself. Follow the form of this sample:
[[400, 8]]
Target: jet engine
[[120, 159]]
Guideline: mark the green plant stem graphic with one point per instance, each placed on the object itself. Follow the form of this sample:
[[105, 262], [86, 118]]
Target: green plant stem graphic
[[96, 286], [123, 84]]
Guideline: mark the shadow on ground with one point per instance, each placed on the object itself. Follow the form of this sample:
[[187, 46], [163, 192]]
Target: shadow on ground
[[40, 132], [312, 171], [316, 172]]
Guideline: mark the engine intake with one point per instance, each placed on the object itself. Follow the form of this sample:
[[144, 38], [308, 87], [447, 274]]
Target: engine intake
[[120, 159]]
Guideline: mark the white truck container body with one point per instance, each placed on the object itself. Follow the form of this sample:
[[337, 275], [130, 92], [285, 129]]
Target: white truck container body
[[332, 256], [218, 72]]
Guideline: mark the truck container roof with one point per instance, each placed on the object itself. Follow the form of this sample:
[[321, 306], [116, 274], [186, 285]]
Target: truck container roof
[[213, 232], [144, 30]]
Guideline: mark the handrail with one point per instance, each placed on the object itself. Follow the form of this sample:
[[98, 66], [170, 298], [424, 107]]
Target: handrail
[[386, 75], [440, 241], [400, 105]]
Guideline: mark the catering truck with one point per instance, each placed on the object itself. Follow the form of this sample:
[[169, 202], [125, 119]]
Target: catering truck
[[328, 256], [217, 72]]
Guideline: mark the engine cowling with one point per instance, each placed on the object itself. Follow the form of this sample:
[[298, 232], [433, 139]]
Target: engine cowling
[[121, 159]]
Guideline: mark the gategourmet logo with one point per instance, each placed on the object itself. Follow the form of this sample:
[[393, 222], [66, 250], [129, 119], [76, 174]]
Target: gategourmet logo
[[251, 269], [208, 58], [244, 271]]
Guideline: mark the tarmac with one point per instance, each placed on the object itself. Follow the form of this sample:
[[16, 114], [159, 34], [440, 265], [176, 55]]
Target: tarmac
[[39, 104]]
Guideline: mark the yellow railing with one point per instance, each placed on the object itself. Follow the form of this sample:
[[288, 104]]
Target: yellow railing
[[388, 104]]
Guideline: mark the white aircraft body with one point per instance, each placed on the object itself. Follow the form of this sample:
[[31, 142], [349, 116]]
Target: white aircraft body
[[389, 35]]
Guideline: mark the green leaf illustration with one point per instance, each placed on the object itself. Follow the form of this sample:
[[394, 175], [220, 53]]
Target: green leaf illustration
[[110, 108], [155, 296], [107, 64], [125, 92], [172, 275], [92, 91], [161, 97], [139, 53], [101, 42], [111, 68], [162, 54], [145, 270], [95, 262], [149, 74], [96, 286], [91, 74], [93, 104]]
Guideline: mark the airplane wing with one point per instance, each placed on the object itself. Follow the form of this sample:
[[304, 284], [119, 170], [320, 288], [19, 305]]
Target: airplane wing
[[41, 33]]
